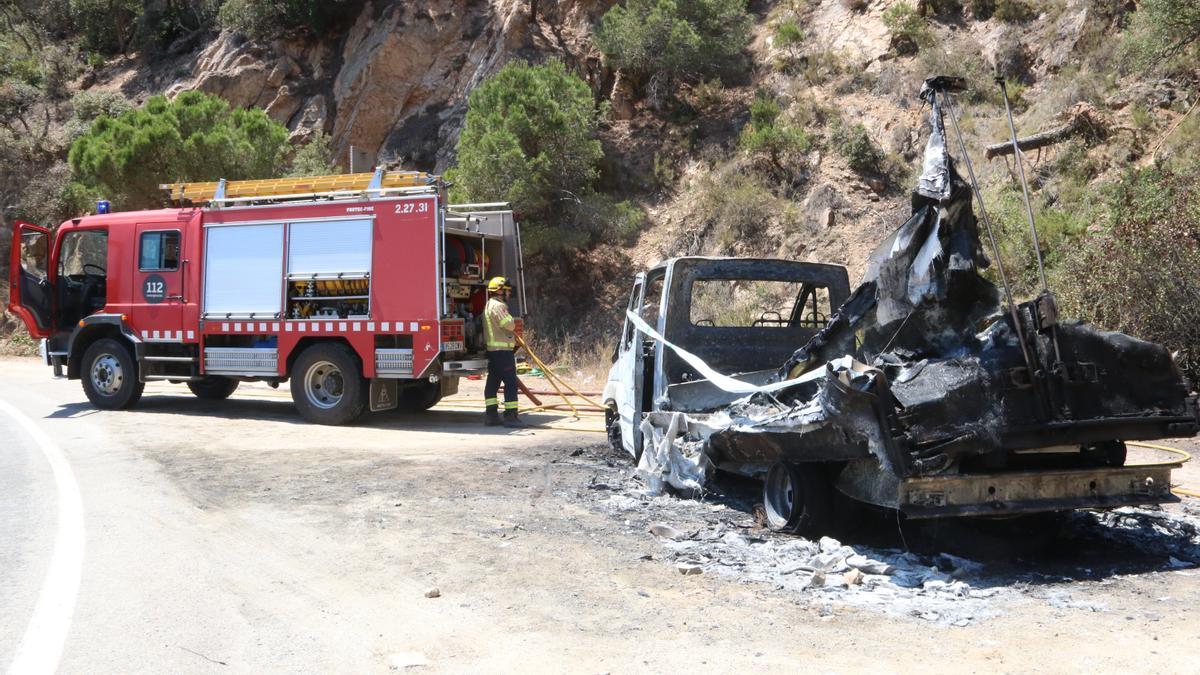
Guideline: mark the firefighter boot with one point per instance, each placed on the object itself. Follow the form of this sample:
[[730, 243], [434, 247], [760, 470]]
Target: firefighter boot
[[491, 417], [512, 421]]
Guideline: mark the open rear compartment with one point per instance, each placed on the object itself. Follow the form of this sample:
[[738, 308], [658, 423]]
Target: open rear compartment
[[329, 269], [479, 242]]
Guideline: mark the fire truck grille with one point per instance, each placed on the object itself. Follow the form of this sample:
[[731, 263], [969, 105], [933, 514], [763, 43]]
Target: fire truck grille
[[394, 362]]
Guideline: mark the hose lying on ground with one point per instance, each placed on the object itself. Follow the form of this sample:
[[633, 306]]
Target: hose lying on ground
[[555, 381]]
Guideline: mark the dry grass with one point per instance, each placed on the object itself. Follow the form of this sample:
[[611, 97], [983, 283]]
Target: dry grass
[[581, 361]]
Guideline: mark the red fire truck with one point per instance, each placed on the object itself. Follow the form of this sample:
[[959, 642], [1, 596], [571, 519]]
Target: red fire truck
[[364, 290]]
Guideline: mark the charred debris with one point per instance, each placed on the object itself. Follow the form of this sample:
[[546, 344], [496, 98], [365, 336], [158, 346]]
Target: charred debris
[[929, 369]]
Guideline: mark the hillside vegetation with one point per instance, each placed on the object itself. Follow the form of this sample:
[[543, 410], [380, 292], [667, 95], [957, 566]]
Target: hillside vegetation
[[626, 132]]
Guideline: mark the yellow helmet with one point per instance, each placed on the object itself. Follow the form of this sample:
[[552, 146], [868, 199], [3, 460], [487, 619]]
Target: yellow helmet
[[497, 283]]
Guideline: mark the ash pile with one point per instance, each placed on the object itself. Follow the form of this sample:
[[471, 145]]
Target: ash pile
[[1062, 564]]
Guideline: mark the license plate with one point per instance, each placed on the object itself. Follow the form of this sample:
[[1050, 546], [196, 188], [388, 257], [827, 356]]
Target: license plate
[[456, 346]]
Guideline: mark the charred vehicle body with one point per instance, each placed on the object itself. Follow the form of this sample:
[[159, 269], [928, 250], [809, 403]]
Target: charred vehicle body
[[923, 392]]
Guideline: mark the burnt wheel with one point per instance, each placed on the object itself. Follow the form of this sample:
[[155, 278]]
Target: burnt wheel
[[213, 387], [1105, 453], [798, 498], [612, 424], [110, 375], [327, 384]]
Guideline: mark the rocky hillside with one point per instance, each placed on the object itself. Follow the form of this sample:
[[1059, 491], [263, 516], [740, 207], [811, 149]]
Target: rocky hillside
[[390, 86], [394, 84]]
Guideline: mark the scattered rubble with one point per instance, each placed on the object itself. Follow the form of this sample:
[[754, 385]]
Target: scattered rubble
[[721, 534]]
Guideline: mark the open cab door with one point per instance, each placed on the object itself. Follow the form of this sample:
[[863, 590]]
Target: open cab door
[[30, 293]]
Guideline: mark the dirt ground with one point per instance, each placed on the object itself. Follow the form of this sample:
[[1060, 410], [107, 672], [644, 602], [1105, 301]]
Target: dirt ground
[[544, 561]]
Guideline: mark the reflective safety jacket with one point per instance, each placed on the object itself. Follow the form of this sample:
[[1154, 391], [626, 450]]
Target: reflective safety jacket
[[499, 328]]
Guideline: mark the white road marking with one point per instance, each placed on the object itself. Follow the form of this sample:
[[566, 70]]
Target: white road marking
[[41, 648]]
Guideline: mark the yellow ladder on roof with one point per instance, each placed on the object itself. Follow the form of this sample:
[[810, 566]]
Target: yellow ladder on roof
[[297, 187]]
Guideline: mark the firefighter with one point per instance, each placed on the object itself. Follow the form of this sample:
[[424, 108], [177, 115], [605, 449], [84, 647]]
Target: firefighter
[[499, 330]]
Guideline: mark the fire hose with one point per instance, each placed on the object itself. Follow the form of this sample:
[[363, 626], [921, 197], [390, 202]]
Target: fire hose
[[555, 381]]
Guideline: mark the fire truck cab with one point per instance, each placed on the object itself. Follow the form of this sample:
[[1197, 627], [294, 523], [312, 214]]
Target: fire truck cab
[[365, 291]]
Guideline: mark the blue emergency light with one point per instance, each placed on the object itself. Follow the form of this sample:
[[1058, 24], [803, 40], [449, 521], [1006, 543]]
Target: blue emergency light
[[102, 206]]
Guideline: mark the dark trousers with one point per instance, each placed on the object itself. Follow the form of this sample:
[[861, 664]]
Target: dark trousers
[[502, 368]]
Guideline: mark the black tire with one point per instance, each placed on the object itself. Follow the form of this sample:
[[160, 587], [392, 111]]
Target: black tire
[[419, 398], [798, 498], [110, 375], [213, 387], [327, 384]]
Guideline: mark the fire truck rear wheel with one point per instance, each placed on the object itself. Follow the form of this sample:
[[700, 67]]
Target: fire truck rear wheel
[[327, 384], [214, 387], [110, 375], [421, 397]]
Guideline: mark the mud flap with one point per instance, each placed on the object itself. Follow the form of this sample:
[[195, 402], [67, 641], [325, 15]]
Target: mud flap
[[385, 394]]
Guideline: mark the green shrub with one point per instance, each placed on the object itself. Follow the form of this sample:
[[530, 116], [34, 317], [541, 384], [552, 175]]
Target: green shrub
[[982, 10], [88, 105], [529, 139], [1138, 274], [822, 65], [163, 22], [861, 153], [909, 30], [664, 172], [708, 94], [1013, 11], [732, 209], [1059, 231], [659, 42], [766, 135], [265, 18], [194, 137], [788, 34], [314, 158], [17, 101], [107, 26], [945, 7], [1164, 30]]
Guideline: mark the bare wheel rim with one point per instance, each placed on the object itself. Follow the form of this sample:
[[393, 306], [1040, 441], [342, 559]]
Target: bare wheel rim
[[107, 375], [324, 385], [780, 496]]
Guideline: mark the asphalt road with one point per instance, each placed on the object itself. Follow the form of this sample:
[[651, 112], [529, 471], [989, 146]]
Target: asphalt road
[[171, 576], [27, 521], [147, 597], [235, 538]]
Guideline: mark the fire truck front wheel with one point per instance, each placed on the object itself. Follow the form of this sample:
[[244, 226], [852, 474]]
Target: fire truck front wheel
[[327, 384], [110, 376], [214, 387]]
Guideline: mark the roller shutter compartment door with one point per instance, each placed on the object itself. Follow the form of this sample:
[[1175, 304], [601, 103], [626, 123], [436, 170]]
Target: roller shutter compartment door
[[330, 247], [243, 271]]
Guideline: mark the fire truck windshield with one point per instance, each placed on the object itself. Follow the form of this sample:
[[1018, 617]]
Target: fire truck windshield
[[82, 275]]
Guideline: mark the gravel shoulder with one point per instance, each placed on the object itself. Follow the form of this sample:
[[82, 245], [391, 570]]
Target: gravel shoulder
[[327, 539]]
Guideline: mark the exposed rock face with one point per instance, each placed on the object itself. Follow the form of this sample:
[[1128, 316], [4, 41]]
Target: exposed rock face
[[394, 86], [857, 34]]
